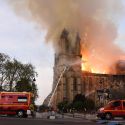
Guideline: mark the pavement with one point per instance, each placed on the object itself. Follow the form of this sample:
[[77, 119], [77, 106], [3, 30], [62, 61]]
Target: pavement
[[80, 117], [45, 115]]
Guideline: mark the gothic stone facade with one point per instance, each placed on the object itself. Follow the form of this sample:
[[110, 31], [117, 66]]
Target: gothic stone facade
[[68, 55], [73, 80]]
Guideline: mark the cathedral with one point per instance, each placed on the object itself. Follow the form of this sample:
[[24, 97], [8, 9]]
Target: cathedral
[[69, 80]]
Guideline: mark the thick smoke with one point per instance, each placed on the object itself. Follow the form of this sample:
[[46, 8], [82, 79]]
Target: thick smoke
[[95, 20]]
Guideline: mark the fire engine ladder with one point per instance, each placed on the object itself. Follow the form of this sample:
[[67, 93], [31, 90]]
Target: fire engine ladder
[[60, 77]]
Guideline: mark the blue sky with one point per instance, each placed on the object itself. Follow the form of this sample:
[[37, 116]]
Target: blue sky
[[24, 41]]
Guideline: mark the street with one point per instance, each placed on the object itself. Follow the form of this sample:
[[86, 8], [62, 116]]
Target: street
[[41, 119], [38, 121]]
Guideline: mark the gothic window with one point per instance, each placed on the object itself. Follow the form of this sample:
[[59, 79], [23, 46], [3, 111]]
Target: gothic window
[[90, 83], [75, 84]]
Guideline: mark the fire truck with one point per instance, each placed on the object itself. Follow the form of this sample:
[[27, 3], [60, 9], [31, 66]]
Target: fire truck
[[115, 108], [15, 103]]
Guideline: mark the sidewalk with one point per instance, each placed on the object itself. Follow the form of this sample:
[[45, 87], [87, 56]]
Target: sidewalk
[[78, 118], [68, 116], [82, 116]]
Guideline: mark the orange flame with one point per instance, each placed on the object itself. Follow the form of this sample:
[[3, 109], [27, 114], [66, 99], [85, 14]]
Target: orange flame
[[89, 66]]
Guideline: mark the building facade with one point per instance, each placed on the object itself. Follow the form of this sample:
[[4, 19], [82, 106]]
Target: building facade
[[69, 80]]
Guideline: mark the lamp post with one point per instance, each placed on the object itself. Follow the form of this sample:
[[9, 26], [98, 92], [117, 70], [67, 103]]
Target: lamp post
[[34, 79], [33, 89], [33, 84]]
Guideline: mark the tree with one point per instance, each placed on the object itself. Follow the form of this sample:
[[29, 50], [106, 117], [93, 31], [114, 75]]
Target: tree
[[79, 97], [3, 59], [79, 102], [89, 104], [25, 85], [79, 105], [15, 71], [34, 91], [11, 70], [43, 108], [27, 71], [15, 76], [63, 106]]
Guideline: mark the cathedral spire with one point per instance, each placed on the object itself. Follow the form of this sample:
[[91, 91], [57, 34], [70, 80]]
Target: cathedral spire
[[64, 34]]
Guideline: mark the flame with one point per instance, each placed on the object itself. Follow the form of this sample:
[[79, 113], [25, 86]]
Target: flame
[[93, 70], [89, 66]]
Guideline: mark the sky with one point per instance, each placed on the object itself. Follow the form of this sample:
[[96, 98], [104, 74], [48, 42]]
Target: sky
[[25, 41]]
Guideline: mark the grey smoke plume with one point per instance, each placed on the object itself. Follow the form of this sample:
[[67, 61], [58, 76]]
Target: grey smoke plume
[[95, 20]]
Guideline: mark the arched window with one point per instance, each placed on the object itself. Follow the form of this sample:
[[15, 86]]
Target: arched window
[[75, 84]]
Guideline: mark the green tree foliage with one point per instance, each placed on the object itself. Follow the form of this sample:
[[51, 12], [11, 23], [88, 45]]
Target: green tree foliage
[[63, 106], [89, 104], [27, 71], [79, 98], [80, 104], [16, 76], [23, 85], [12, 68], [43, 108]]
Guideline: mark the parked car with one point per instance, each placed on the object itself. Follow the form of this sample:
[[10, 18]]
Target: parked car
[[115, 108]]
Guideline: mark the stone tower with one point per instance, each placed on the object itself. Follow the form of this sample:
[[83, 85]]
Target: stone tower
[[68, 54]]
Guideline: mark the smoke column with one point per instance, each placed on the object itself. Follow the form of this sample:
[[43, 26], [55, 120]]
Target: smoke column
[[95, 20]]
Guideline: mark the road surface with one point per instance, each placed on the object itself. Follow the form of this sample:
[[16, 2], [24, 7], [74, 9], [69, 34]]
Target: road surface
[[67, 120], [38, 121]]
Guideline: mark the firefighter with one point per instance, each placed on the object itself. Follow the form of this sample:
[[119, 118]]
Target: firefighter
[[32, 108]]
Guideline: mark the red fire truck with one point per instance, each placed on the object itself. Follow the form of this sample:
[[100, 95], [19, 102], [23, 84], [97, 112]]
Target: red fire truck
[[15, 103], [115, 108]]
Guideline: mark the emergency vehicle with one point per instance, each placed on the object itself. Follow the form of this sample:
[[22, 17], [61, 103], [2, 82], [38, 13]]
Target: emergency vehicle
[[15, 103], [115, 108]]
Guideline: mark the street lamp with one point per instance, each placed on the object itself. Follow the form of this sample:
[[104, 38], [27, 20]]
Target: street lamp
[[33, 84], [33, 88], [34, 80]]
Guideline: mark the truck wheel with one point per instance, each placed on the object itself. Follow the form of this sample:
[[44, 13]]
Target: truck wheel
[[108, 116], [20, 113]]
